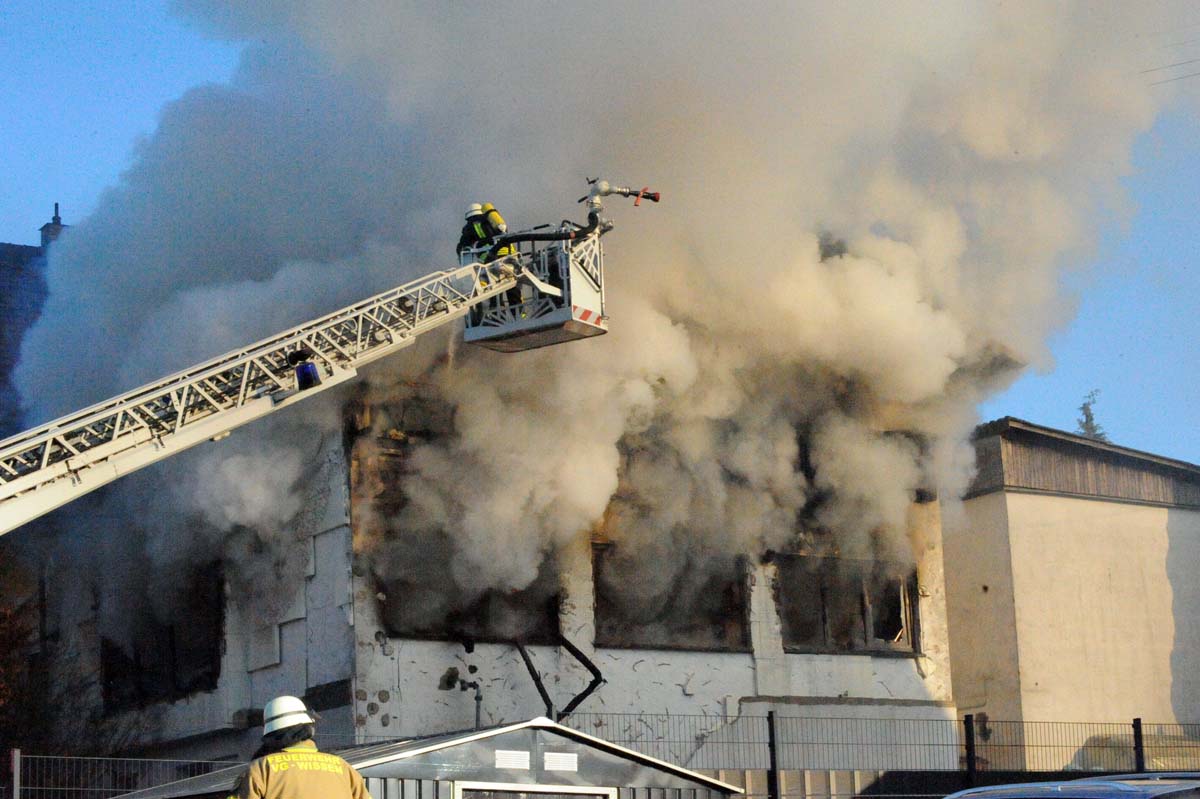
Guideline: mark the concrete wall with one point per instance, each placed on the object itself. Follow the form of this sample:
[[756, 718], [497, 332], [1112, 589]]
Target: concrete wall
[[310, 642], [979, 590], [1099, 605], [1090, 614]]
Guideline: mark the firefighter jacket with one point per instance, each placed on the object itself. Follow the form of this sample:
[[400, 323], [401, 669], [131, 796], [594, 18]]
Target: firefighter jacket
[[300, 772]]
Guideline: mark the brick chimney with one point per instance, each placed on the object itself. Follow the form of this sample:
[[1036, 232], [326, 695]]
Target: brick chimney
[[52, 229]]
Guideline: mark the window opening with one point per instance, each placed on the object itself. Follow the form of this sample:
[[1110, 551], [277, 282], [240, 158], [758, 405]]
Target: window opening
[[842, 605]]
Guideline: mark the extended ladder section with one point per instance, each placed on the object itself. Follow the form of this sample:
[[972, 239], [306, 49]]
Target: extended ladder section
[[51, 465]]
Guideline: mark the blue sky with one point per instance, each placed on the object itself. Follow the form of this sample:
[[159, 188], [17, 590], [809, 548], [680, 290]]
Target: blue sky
[[80, 82], [1136, 335]]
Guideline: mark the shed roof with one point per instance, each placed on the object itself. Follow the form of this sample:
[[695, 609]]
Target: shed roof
[[409, 759]]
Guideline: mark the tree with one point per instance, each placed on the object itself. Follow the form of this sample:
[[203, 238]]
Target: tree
[[1088, 427]]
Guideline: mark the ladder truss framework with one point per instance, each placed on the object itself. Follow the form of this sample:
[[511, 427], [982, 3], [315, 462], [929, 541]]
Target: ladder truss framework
[[51, 465]]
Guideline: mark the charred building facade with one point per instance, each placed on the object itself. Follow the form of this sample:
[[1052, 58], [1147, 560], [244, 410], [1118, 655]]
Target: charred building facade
[[715, 635], [381, 657]]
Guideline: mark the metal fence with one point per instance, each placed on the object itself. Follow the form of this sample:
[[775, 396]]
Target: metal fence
[[711, 743], [780, 756], [55, 777], [869, 744], [972, 744], [1063, 746]]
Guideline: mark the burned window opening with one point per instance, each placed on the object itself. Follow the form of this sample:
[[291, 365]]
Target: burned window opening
[[426, 604], [169, 660], [837, 605], [885, 611], [703, 607], [414, 575]]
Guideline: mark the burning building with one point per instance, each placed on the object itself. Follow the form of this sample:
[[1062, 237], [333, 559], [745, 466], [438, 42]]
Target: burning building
[[390, 642], [725, 502], [672, 629]]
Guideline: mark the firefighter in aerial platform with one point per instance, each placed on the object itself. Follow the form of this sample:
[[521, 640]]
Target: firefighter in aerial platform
[[288, 764], [484, 225]]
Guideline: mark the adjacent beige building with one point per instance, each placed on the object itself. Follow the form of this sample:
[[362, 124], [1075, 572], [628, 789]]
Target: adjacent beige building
[[1073, 581]]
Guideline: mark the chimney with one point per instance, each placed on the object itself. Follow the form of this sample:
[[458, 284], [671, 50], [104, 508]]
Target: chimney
[[52, 229]]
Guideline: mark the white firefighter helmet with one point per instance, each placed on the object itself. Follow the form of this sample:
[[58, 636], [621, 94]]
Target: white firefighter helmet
[[285, 711], [474, 209]]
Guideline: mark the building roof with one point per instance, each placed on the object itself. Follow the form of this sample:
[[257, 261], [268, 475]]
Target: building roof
[[404, 759], [999, 427], [15, 255], [1016, 455]]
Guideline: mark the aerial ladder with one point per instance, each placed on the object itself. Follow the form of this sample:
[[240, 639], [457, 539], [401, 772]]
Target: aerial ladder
[[549, 290]]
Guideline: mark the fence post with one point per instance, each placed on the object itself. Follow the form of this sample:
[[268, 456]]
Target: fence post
[[969, 739], [1139, 747], [16, 773], [773, 754]]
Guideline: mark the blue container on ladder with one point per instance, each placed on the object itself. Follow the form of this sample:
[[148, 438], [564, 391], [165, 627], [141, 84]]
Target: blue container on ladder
[[307, 375]]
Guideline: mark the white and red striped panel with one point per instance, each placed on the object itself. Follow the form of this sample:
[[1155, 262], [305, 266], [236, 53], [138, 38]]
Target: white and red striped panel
[[587, 315]]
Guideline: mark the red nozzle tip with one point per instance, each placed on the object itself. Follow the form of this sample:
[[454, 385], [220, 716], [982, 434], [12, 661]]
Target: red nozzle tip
[[649, 195]]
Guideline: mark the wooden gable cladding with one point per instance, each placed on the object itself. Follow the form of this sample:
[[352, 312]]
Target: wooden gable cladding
[[1016, 455]]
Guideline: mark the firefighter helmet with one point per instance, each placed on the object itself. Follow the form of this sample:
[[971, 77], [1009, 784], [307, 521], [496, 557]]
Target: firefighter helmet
[[474, 209], [285, 711]]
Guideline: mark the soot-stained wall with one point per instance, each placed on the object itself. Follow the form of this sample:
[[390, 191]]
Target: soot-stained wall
[[402, 687]]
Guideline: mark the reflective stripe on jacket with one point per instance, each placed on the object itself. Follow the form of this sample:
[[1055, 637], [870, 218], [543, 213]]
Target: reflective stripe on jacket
[[301, 772], [485, 229]]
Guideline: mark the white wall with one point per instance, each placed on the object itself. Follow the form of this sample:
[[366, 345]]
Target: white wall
[[979, 590], [1092, 611], [1104, 598]]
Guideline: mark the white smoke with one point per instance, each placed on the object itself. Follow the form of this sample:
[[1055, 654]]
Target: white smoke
[[965, 153]]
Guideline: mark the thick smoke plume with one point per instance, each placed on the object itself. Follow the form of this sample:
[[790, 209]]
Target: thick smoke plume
[[964, 153]]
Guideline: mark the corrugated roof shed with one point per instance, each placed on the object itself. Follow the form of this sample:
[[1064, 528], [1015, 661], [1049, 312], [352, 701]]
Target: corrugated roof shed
[[578, 759]]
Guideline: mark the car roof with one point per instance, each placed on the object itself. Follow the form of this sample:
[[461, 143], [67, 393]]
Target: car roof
[[1123, 786]]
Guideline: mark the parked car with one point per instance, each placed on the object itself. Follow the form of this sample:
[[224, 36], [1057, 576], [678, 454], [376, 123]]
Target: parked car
[[1162, 785]]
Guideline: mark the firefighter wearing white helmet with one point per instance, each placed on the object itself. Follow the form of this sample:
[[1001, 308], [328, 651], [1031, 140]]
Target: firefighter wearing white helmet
[[484, 225], [288, 764]]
